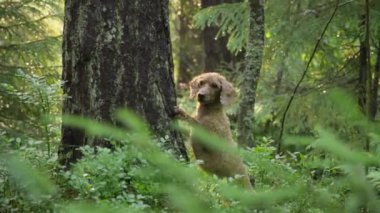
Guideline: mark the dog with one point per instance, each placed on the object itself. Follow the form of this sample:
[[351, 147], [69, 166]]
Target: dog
[[213, 93]]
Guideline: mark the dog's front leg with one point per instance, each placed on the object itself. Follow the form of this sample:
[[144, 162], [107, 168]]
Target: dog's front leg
[[181, 114]]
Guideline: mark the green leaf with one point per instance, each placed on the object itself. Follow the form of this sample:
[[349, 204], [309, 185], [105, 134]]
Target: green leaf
[[36, 184]]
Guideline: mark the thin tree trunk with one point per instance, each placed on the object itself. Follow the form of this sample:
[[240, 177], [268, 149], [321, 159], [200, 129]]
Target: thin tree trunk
[[253, 60], [365, 75], [362, 75], [183, 75], [184, 57], [279, 77], [375, 84], [117, 54]]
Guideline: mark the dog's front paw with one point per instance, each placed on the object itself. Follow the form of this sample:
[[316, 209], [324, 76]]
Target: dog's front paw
[[182, 115], [178, 112]]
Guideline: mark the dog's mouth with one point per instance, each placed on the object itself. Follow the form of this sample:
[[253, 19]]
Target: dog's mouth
[[205, 100]]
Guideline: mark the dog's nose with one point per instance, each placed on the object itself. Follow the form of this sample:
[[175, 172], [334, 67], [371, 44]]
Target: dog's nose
[[201, 97]]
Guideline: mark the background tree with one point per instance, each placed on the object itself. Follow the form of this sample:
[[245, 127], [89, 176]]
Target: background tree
[[253, 60], [287, 45], [365, 74], [117, 55], [375, 83], [207, 50], [30, 40], [368, 78], [215, 43], [303, 21], [186, 40]]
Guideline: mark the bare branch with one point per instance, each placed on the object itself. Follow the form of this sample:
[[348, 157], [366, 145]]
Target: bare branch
[[28, 22], [9, 46], [303, 76]]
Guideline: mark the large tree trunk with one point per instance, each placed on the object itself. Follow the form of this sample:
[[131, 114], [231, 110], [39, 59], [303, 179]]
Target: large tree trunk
[[117, 54], [253, 62], [216, 51]]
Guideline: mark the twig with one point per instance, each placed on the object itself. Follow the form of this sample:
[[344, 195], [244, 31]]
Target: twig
[[30, 67], [303, 76], [9, 46], [28, 22]]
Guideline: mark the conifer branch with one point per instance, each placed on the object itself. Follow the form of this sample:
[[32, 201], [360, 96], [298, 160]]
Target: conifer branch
[[15, 45], [279, 144], [30, 22]]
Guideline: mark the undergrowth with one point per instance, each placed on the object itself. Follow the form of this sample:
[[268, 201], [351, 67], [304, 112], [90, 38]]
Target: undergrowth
[[138, 175]]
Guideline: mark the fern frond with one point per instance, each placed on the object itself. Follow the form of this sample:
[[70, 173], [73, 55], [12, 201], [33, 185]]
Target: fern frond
[[232, 19], [374, 178]]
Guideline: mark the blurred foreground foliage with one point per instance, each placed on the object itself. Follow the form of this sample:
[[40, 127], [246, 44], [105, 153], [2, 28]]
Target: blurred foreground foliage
[[325, 167], [138, 176]]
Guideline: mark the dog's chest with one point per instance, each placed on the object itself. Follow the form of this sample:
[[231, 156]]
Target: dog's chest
[[217, 124]]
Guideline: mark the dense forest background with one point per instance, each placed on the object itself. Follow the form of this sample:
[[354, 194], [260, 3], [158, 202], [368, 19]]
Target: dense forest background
[[307, 121]]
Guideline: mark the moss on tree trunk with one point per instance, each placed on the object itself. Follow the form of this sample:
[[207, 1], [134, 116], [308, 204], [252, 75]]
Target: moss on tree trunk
[[117, 54], [253, 62]]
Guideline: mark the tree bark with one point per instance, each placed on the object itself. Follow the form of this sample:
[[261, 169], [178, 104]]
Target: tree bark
[[117, 54], [216, 50], [375, 84], [365, 74], [183, 75], [189, 41], [253, 62]]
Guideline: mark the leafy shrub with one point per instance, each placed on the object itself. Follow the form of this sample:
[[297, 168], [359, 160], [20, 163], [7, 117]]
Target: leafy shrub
[[110, 176], [138, 175]]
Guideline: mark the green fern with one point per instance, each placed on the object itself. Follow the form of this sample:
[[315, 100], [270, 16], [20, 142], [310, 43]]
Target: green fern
[[232, 19], [374, 178]]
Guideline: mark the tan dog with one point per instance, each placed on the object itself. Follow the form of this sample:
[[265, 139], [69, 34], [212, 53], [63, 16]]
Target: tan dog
[[213, 92]]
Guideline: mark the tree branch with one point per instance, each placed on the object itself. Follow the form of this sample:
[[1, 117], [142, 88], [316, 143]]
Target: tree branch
[[303, 76], [9, 46], [28, 22], [29, 67]]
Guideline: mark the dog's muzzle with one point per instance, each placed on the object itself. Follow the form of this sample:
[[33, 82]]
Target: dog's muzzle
[[201, 97]]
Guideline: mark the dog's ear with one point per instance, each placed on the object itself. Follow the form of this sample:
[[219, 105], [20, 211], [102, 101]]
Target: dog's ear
[[228, 94], [194, 87]]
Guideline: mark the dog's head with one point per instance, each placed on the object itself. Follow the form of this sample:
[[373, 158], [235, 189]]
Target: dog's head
[[212, 88]]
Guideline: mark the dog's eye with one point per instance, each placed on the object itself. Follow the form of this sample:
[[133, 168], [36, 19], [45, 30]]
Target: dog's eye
[[214, 85], [201, 83]]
